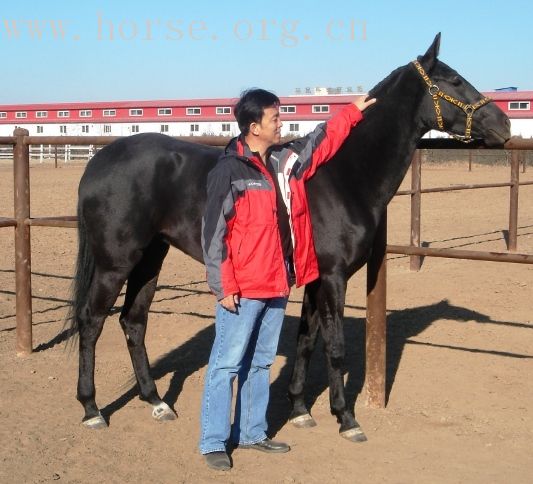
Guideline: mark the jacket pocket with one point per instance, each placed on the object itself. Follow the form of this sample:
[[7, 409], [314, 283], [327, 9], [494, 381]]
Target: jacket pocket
[[258, 258]]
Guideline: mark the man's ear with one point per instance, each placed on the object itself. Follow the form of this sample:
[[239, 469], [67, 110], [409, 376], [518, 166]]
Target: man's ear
[[254, 128]]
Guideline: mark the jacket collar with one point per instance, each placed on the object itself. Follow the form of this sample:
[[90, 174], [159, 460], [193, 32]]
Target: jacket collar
[[238, 146]]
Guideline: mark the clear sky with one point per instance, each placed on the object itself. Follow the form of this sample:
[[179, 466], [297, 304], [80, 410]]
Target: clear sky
[[62, 50]]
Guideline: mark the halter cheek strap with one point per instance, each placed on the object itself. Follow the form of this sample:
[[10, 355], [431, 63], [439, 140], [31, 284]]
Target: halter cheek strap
[[437, 94]]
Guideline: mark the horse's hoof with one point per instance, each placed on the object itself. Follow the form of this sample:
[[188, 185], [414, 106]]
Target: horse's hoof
[[162, 412], [354, 435], [304, 421], [95, 423]]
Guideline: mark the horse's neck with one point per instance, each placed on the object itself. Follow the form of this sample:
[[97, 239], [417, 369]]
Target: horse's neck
[[394, 163], [388, 140]]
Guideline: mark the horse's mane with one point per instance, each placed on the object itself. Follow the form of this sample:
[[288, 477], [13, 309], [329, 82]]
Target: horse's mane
[[383, 87]]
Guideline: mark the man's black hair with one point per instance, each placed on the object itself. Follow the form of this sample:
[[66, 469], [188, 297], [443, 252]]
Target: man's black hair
[[249, 109]]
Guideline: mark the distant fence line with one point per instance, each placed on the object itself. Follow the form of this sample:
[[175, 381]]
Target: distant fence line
[[56, 153], [481, 157], [83, 148]]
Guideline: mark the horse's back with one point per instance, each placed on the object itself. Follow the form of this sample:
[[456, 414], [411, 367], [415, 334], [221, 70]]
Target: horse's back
[[146, 154], [144, 185]]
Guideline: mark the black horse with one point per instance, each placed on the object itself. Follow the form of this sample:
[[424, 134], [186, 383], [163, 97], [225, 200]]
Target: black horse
[[141, 194]]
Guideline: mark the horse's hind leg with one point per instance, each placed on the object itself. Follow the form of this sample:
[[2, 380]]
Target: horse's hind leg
[[134, 317], [307, 336], [104, 291]]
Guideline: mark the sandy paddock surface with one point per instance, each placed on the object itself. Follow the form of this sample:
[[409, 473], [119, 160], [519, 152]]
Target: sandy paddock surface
[[460, 359]]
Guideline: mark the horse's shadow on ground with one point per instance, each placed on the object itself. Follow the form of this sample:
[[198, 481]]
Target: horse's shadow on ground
[[193, 355], [401, 325]]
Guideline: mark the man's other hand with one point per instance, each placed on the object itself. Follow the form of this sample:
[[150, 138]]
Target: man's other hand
[[230, 302]]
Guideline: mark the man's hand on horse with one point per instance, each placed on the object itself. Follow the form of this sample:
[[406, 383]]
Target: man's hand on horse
[[363, 103]]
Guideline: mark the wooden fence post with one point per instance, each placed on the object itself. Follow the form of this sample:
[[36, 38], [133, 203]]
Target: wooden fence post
[[513, 204], [21, 172], [416, 201], [376, 319]]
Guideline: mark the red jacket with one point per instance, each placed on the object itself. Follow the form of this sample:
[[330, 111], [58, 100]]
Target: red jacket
[[240, 235]]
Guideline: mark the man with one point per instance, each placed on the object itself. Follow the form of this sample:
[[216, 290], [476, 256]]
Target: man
[[257, 238]]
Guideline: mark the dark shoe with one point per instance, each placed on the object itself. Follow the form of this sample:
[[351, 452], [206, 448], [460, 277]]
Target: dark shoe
[[268, 446], [218, 461]]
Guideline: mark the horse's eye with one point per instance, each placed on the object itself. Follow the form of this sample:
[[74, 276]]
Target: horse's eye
[[456, 80]]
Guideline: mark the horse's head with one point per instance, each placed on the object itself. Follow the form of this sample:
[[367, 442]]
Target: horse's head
[[453, 105]]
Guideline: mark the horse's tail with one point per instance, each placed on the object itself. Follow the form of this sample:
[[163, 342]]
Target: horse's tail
[[82, 279]]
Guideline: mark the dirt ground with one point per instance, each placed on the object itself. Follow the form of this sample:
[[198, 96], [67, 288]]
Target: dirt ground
[[460, 360]]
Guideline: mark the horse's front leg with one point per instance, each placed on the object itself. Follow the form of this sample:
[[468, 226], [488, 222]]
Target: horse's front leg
[[307, 336], [331, 309]]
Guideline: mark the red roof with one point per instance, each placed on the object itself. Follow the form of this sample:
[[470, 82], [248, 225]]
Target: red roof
[[510, 95], [169, 103]]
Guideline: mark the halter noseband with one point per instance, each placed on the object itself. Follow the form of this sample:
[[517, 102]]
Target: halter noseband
[[469, 109]]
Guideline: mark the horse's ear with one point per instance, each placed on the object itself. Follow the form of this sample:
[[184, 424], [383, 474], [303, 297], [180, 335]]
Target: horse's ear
[[429, 59]]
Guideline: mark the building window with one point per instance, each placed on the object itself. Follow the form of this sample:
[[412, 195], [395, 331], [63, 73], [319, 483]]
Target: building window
[[63, 114], [86, 113], [109, 113], [519, 106], [85, 128], [63, 129], [194, 111], [287, 109], [136, 112], [164, 128], [164, 111], [39, 130], [41, 114], [3, 115], [195, 128], [223, 110], [320, 108], [134, 128], [21, 115], [293, 127], [107, 128], [226, 127]]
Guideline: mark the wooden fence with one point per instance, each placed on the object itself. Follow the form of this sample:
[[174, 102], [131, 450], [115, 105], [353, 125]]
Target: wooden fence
[[376, 273]]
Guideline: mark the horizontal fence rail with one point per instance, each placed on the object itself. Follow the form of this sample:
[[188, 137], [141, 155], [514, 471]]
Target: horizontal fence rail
[[461, 254], [461, 187], [7, 222], [68, 221], [376, 273]]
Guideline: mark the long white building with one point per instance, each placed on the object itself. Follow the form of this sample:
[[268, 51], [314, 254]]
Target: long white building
[[300, 114]]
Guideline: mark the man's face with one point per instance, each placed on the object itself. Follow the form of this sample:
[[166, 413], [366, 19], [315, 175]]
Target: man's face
[[269, 129]]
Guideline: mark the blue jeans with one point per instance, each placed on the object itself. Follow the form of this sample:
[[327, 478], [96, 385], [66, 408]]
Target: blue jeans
[[245, 346]]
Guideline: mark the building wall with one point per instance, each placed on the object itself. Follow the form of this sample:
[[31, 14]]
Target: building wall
[[522, 127], [296, 128]]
